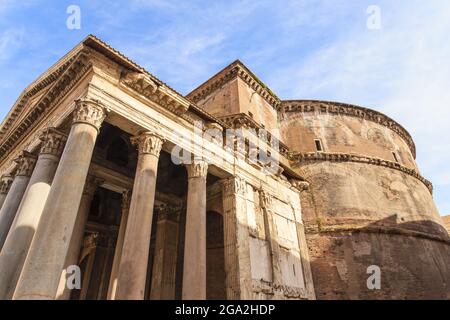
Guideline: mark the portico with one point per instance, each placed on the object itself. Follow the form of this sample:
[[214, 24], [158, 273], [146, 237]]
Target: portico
[[137, 196]]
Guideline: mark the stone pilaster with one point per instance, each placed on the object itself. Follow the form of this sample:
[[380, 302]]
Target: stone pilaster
[[126, 199], [194, 267], [238, 280], [266, 201], [25, 165], [5, 184], [301, 187], [29, 213], [41, 273], [166, 246], [134, 260], [76, 241]]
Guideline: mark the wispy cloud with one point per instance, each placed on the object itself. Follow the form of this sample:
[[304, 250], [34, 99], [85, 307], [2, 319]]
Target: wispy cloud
[[10, 41], [402, 70]]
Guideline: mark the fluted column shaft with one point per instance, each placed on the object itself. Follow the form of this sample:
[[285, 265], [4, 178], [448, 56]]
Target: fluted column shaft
[[43, 266], [119, 245], [194, 268], [29, 213], [134, 260], [5, 184], [76, 241], [25, 166]]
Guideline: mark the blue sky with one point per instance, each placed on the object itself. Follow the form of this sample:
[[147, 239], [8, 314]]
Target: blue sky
[[301, 49]]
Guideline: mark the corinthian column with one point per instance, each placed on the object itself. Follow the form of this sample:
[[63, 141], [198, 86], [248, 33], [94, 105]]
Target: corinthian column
[[45, 261], [5, 184], [25, 165], [194, 268], [126, 195], [29, 213], [134, 260], [76, 241]]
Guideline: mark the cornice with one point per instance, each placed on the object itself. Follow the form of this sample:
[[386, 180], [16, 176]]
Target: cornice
[[311, 157], [77, 68], [337, 108], [364, 228], [233, 71], [29, 93]]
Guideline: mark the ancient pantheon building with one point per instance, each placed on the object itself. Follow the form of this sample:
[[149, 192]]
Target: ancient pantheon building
[[112, 178]]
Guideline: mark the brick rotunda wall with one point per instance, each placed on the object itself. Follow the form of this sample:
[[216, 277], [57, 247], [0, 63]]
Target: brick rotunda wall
[[364, 205]]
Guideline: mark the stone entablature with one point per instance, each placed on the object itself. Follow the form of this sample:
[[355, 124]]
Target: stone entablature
[[34, 89], [301, 158], [242, 120], [79, 66], [236, 69], [344, 109]]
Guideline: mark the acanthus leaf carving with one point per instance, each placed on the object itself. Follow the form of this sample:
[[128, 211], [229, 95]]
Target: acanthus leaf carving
[[53, 142], [90, 112], [148, 143], [197, 169], [5, 183], [25, 164]]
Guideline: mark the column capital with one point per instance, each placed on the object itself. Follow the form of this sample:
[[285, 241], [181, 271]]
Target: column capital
[[148, 143], [167, 212], [25, 164], [197, 169], [53, 142], [266, 199], [5, 183], [299, 185], [234, 185], [91, 185], [90, 112], [126, 200]]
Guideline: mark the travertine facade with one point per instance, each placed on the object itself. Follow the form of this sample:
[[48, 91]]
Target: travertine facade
[[226, 193]]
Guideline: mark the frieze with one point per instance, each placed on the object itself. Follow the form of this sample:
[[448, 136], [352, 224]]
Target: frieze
[[301, 158]]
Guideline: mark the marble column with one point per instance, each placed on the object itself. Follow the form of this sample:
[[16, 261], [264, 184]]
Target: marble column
[[5, 184], [194, 267], [29, 213], [45, 261], [25, 165], [166, 246], [134, 260], [119, 245], [76, 242], [238, 280]]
